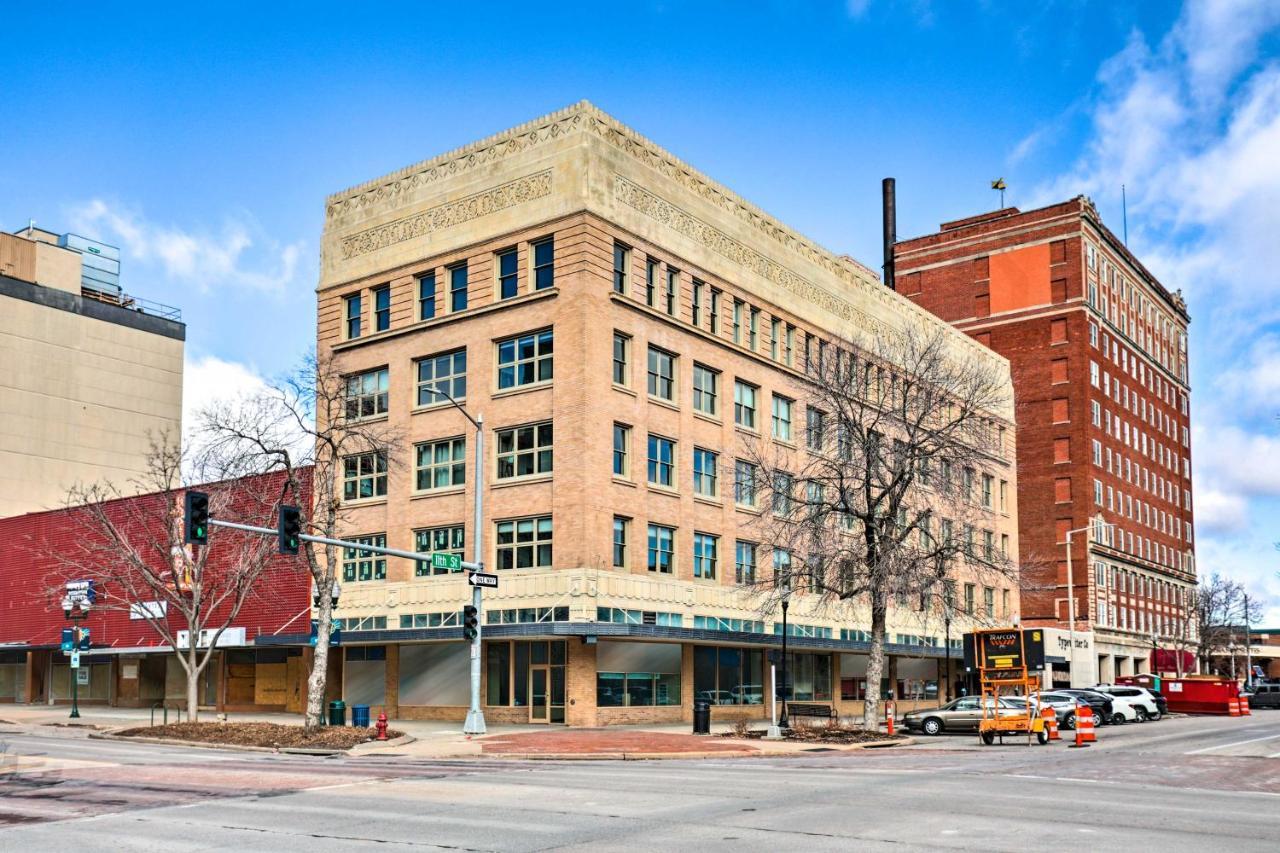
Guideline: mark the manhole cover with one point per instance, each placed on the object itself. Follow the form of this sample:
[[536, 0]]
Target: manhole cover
[[820, 749]]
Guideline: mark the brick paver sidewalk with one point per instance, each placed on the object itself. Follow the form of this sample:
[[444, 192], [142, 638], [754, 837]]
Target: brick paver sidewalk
[[608, 741]]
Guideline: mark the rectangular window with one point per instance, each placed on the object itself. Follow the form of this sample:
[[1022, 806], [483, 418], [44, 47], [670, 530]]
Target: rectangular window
[[621, 356], [524, 543], [651, 283], [744, 562], [621, 263], [673, 287], [621, 450], [988, 602], [508, 273], [525, 360], [782, 567], [446, 373], [744, 404], [737, 321], [427, 296], [706, 553], [620, 541], [662, 541], [353, 316], [360, 565], [988, 487], [458, 287], [816, 430], [783, 493], [662, 374], [440, 464], [969, 592], [744, 483], [781, 418], [366, 394], [364, 476], [696, 308], [382, 308], [544, 267], [706, 387], [524, 451], [791, 344], [753, 328], [775, 345], [662, 454], [715, 312], [437, 540], [705, 475]]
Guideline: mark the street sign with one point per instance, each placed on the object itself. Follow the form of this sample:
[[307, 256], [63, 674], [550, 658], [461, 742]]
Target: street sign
[[448, 562], [79, 591], [483, 579], [68, 639], [75, 659]]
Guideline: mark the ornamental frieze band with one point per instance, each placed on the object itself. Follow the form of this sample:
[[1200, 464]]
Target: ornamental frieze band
[[450, 213], [719, 242]]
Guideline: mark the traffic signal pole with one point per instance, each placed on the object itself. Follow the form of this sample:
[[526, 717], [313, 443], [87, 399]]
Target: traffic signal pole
[[341, 543], [474, 724]]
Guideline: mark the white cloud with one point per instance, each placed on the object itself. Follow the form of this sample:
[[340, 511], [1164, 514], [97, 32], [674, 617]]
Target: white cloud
[[210, 381], [238, 254]]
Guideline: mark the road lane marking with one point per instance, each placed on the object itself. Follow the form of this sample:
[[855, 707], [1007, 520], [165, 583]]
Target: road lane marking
[[1229, 745]]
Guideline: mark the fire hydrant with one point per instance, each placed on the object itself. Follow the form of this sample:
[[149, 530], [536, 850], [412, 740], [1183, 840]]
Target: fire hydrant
[[382, 726]]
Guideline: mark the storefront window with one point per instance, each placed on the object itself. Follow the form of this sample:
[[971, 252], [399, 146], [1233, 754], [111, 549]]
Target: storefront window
[[728, 676], [637, 674]]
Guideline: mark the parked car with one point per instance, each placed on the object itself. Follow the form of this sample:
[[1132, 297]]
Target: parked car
[[716, 697], [958, 715], [1100, 703], [1063, 705], [1134, 703], [1265, 695]]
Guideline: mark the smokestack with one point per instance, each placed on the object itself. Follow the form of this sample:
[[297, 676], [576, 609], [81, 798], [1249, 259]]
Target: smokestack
[[890, 230]]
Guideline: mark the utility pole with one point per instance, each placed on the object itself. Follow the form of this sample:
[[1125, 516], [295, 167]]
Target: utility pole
[[1248, 652], [474, 724]]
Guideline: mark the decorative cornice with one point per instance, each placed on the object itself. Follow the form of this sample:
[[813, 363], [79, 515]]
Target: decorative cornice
[[450, 213]]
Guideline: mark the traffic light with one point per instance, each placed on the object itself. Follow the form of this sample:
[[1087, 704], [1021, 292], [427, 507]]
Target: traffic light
[[196, 516], [289, 529], [470, 622]]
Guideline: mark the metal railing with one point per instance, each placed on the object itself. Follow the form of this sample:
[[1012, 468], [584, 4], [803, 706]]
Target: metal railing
[[163, 706], [134, 303]]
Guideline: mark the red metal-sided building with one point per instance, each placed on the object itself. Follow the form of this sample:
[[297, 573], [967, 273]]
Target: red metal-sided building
[[1098, 351], [128, 663]]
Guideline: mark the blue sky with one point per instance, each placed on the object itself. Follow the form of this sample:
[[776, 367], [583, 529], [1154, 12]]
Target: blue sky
[[205, 146]]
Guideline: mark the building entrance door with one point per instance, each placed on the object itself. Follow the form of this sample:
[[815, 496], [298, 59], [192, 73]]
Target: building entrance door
[[538, 678]]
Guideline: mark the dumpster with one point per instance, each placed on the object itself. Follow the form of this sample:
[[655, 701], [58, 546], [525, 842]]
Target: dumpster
[[360, 716], [337, 713], [701, 717]]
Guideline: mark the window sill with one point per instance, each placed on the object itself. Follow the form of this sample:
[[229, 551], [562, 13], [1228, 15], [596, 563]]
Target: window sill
[[786, 442], [372, 419], [703, 416], [663, 490], [748, 431], [666, 404], [703, 499], [750, 510], [622, 481], [521, 389], [508, 482], [431, 407], [437, 493], [624, 389], [363, 502]]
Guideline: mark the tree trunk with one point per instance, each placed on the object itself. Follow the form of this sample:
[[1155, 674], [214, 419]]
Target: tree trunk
[[875, 665], [193, 683], [318, 676]]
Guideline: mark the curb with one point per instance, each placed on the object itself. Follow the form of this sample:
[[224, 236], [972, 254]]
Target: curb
[[660, 756], [230, 747]]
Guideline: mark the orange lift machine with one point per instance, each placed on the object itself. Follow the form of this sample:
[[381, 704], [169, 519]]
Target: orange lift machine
[[1008, 662]]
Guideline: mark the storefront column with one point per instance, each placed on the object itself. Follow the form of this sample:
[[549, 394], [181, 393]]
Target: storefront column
[[580, 684], [393, 683], [893, 678]]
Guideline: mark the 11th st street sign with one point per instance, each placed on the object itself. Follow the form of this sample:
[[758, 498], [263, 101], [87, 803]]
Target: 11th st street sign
[[448, 562], [483, 579]]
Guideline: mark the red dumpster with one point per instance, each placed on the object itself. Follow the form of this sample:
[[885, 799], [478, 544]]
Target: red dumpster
[[1200, 694]]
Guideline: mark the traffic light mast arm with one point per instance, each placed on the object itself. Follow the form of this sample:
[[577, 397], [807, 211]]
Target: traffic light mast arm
[[341, 543]]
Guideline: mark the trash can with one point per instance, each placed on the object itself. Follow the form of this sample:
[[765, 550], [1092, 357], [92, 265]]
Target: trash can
[[337, 713], [701, 717], [360, 716]]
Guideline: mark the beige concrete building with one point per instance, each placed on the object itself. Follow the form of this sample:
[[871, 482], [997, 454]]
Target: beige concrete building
[[625, 325], [86, 371]]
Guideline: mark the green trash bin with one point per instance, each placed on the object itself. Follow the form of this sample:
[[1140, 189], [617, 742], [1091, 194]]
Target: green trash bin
[[337, 713]]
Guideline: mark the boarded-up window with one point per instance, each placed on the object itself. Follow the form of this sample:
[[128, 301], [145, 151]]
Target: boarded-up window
[[435, 674], [909, 284], [1061, 411], [1058, 331], [983, 338], [1058, 290], [1061, 526], [1062, 490], [982, 305], [981, 269], [1062, 450], [1058, 371], [1057, 251]]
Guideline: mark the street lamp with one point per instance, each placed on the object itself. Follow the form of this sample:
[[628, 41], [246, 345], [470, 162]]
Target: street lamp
[[1155, 653], [786, 603], [75, 611], [474, 724], [1098, 524]]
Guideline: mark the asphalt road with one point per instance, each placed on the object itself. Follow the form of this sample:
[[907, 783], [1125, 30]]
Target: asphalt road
[[1180, 784]]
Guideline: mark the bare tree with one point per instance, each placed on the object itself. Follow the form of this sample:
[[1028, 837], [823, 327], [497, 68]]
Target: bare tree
[[884, 506], [320, 424], [1218, 610], [133, 549]]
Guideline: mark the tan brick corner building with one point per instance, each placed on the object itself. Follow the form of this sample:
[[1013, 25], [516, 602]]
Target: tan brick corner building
[[623, 324], [1098, 348]]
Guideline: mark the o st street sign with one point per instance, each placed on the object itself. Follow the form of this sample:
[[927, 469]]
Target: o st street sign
[[483, 579], [448, 562]]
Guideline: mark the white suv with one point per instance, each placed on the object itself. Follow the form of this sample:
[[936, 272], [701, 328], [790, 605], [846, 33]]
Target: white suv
[[1131, 704]]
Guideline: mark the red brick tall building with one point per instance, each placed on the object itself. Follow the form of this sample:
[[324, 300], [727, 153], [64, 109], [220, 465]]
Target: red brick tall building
[[1098, 351]]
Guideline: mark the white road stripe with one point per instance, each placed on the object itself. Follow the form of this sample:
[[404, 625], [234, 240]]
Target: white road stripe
[[1229, 745]]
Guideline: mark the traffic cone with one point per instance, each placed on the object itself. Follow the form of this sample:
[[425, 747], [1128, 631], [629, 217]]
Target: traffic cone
[[1084, 727], [1233, 707], [1244, 707], [1051, 723], [888, 716]]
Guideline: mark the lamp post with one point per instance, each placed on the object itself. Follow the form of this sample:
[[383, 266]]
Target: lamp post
[[75, 611], [1155, 653], [1071, 594], [946, 667], [786, 603], [474, 724]]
